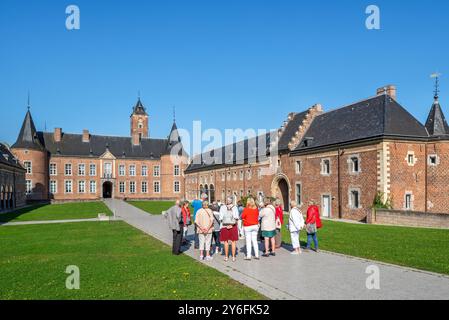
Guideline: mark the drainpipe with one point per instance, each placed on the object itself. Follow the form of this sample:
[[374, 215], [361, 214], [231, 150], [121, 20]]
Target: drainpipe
[[425, 178], [340, 215]]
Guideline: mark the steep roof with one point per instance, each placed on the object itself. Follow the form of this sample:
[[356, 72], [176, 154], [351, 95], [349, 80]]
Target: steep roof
[[72, 145], [28, 138], [436, 122], [245, 151], [174, 142], [139, 108], [375, 117], [7, 158]]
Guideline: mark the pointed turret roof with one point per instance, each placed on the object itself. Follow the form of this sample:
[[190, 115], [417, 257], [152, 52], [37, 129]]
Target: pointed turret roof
[[174, 134], [436, 123], [28, 137], [139, 108]]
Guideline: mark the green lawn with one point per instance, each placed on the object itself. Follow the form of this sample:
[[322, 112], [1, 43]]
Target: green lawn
[[65, 211], [115, 260], [153, 207], [426, 249]]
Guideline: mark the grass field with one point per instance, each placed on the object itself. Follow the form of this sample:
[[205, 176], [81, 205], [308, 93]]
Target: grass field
[[426, 249], [65, 211], [153, 207], [115, 260]]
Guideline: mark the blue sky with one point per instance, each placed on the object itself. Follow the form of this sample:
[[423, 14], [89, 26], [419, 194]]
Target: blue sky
[[231, 64]]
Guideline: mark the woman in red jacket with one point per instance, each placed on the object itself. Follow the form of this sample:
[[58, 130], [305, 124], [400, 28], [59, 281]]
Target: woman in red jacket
[[279, 222], [187, 220], [313, 223]]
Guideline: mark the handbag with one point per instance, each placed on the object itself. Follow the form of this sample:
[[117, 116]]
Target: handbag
[[311, 228]]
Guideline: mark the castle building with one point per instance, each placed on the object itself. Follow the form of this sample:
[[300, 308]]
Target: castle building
[[62, 166], [12, 181], [342, 159]]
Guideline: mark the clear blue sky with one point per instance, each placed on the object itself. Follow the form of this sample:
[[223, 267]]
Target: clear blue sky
[[243, 64]]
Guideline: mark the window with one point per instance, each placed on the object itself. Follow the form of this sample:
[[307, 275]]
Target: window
[[132, 187], [354, 164], [176, 171], [433, 160], [53, 187], [229, 175], [298, 194], [81, 186], [249, 174], [121, 187], [241, 175], [53, 170], [354, 199], [27, 165], [68, 186], [259, 173], [132, 170], [411, 159], [144, 187], [93, 170], [408, 203], [93, 187], [223, 176], [325, 166], [29, 186], [81, 169], [177, 187], [234, 176], [156, 171], [157, 187], [144, 171], [298, 167], [107, 170], [68, 169], [121, 170]]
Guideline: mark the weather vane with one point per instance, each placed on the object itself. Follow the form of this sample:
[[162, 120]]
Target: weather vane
[[436, 76]]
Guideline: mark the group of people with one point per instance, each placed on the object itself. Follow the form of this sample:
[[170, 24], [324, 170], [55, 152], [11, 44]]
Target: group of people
[[219, 226]]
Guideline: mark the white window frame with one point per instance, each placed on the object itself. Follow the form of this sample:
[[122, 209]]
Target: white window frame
[[121, 170], [66, 183], [81, 169], [176, 170], [158, 184], [298, 166], [350, 195], [94, 184], [28, 186], [298, 185], [323, 167], [437, 160], [132, 170], [144, 187], [122, 187], [81, 186], [54, 171], [176, 187], [132, 187], [352, 164], [28, 166], [92, 170], [144, 170], [68, 169], [53, 187], [411, 154], [156, 171], [408, 195]]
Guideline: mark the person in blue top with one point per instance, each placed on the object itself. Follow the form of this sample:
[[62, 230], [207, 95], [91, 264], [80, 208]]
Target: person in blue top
[[197, 204]]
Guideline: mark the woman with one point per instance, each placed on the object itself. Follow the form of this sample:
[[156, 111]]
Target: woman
[[250, 217], [229, 216], [186, 217], [268, 226], [279, 222], [240, 208], [295, 224], [204, 221], [217, 227], [313, 223]]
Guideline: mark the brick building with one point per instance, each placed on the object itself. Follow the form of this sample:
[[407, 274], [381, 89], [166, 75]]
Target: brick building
[[77, 167], [341, 159], [12, 181]]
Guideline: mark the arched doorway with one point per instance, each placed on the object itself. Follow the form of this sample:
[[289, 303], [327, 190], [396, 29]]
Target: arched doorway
[[280, 189], [107, 190]]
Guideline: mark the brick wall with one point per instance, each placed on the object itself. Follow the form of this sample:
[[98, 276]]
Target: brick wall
[[438, 178], [411, 218], [39, 174]]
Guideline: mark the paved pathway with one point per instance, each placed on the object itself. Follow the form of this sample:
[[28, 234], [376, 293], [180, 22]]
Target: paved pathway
[[308, 276]]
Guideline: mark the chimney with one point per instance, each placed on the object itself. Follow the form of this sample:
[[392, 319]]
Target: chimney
[[86, 136], [389, 90], [57, 135]]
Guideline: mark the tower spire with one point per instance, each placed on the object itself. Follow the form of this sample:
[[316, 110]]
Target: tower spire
[[28, 103], [436, 76]]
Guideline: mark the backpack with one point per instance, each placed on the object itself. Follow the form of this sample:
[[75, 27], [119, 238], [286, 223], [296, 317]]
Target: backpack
[[228, 217]]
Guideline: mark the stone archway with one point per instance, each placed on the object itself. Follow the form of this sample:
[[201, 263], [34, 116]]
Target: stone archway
[[280, 188], [107, 190]]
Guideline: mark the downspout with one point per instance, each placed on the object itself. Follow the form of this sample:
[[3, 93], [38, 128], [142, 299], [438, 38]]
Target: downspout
[[425, 178], [340, 215]]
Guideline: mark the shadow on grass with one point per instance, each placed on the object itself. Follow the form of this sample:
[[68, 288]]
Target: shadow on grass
[[7, 217]]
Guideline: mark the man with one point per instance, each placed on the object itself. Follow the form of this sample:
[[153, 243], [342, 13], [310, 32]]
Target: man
[[176, 224], [197, 204]]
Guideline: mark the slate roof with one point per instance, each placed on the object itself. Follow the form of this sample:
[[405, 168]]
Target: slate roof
[[7, 158], [139, 108], [380, 116], [290, 130], [244, 151], [436, 122], [28, 138], [72, 145]]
